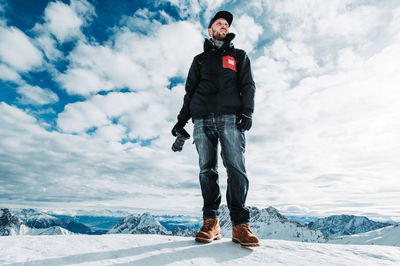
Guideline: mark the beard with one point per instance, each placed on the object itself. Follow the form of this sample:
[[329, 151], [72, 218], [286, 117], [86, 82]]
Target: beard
[[218, 36]]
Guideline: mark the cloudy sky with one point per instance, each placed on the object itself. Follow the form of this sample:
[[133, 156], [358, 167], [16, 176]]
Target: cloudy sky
[[89, 92]]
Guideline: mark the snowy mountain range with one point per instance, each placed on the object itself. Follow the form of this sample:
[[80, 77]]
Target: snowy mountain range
[[339, 225], [265, 223], [36, 219], [11, 225], [268, 223]]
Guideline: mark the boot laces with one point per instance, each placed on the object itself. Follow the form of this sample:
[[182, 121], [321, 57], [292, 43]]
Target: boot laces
[[247, 228], [207, 224]]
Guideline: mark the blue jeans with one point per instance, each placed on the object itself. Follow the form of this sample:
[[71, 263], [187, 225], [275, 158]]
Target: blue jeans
[[206, 133]]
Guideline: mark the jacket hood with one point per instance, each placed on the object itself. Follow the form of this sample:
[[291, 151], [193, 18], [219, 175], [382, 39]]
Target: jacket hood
[[208, 45]]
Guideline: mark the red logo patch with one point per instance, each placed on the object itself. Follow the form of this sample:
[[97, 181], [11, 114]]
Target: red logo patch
[[229, 62]]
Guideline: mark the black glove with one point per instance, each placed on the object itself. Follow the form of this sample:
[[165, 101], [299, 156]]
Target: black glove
[[178, 128], [244, 122]]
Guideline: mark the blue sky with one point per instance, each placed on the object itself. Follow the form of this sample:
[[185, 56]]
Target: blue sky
[[89, 91]]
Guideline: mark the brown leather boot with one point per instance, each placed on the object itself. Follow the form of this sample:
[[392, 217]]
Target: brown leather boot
[[241, 234], [209, 231]]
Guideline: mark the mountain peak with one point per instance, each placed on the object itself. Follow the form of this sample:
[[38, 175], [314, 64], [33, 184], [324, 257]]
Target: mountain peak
[[10, 224], [143, 223]]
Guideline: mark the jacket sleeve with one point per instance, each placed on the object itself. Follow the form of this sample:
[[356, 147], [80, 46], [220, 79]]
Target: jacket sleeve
[[191, 84], [246, 85]]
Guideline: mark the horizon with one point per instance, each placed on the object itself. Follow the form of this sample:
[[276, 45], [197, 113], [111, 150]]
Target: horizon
[[90, 90], [122, 213]]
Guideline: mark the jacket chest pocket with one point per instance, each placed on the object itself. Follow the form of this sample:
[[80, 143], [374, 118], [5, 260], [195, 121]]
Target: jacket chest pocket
[[229, 62]]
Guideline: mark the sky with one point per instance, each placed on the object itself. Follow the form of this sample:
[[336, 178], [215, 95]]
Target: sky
[[90, 90]]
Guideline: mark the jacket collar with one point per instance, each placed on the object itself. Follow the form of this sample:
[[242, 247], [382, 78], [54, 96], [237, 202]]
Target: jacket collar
[[208, 45]]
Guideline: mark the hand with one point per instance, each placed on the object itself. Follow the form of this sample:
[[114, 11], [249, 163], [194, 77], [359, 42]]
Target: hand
[[244, 122], [178, 128]]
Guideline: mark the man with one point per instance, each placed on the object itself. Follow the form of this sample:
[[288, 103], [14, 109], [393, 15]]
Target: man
[[220, 99]]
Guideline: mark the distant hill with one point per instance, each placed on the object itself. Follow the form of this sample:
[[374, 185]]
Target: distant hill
[[339, 225]]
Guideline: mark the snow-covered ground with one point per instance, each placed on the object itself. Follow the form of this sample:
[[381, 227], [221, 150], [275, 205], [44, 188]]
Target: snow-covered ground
[[389, 235], [128, 249]]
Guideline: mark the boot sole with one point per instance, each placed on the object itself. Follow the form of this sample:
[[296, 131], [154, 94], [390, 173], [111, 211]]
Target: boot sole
[[207, 240], [235, 240]]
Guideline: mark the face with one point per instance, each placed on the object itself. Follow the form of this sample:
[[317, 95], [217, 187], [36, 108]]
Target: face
[[219, 29]]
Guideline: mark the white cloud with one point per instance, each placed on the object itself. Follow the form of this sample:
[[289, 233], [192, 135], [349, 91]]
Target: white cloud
[[81, 116], [110, 133], [17, 50], [394, 27], [341, 124], [330, 27], [136, 61], [297, 55], [62, 23], [247, 32], [348, 19], [143, 113], [9, 74], [83, 82], [109, 68], [48, 46], [210, 8], [143, 21], [162, 53], [36, 95], [82, 168], [270, 75], [65, 21], [348, 59], [195, 10], [348, 22], [186, 7]]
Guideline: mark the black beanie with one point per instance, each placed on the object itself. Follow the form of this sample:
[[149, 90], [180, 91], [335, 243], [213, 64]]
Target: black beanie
[[222, 14]]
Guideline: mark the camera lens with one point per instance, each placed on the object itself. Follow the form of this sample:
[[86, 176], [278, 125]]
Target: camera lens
[[178, 144]]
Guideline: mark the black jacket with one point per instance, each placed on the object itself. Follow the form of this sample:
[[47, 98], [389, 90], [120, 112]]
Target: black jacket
[[220, 81]]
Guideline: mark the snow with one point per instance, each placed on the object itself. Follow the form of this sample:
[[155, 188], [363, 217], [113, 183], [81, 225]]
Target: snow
[[54, 230], [389, 235], [173, 250]]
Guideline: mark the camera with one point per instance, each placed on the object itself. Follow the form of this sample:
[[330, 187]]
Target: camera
[[181, 136]]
